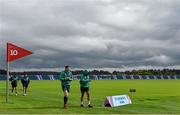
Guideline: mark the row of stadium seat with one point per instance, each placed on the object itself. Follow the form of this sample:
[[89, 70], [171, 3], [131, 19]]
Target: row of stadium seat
[[35, 77], [148, 77], [95, 77]]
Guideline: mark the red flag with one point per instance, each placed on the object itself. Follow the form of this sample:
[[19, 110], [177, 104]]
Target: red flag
[[14, 52]]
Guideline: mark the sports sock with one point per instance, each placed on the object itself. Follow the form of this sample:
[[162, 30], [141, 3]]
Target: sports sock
[[89, 102], [65, 99], [82, 102]]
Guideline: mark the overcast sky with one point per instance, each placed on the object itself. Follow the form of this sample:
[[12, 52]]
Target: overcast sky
[[92, 33]]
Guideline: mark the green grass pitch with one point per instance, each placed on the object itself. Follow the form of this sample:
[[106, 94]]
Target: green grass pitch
[[152, 97]]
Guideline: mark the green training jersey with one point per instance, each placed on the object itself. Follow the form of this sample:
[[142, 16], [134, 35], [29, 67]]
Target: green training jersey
[[63, 76], [84, 81], [25, 78], [14, 78]]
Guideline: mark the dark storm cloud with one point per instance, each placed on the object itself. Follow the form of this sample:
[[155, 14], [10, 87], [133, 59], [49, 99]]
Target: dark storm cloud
[[91, 33]]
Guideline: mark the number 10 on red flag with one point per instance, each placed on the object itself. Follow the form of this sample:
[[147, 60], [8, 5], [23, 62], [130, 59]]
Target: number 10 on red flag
[[14, 52]]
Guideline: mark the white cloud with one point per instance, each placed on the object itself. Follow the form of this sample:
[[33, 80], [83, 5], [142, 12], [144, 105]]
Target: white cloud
[[160, 59]]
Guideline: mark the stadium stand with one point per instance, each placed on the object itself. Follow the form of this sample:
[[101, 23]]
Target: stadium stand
[[98, 77]]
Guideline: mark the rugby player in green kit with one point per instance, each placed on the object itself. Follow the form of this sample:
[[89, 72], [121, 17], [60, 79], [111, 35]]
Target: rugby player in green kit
[[84, 87], [66, 77]]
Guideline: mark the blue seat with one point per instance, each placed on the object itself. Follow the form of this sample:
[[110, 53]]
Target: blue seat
[[151, 77], [119, 77], [2, 77], [136, 77], [45, 77], [172, 77], [128, 77], [144, 77], [165, 77], [56, 77], [33, 77], [158, 77]]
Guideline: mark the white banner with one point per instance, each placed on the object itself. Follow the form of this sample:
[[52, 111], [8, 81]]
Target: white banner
[[119, 100]]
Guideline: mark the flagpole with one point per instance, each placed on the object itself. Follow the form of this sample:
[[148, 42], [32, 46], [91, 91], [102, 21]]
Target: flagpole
[[7, 78], [7, 84]]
